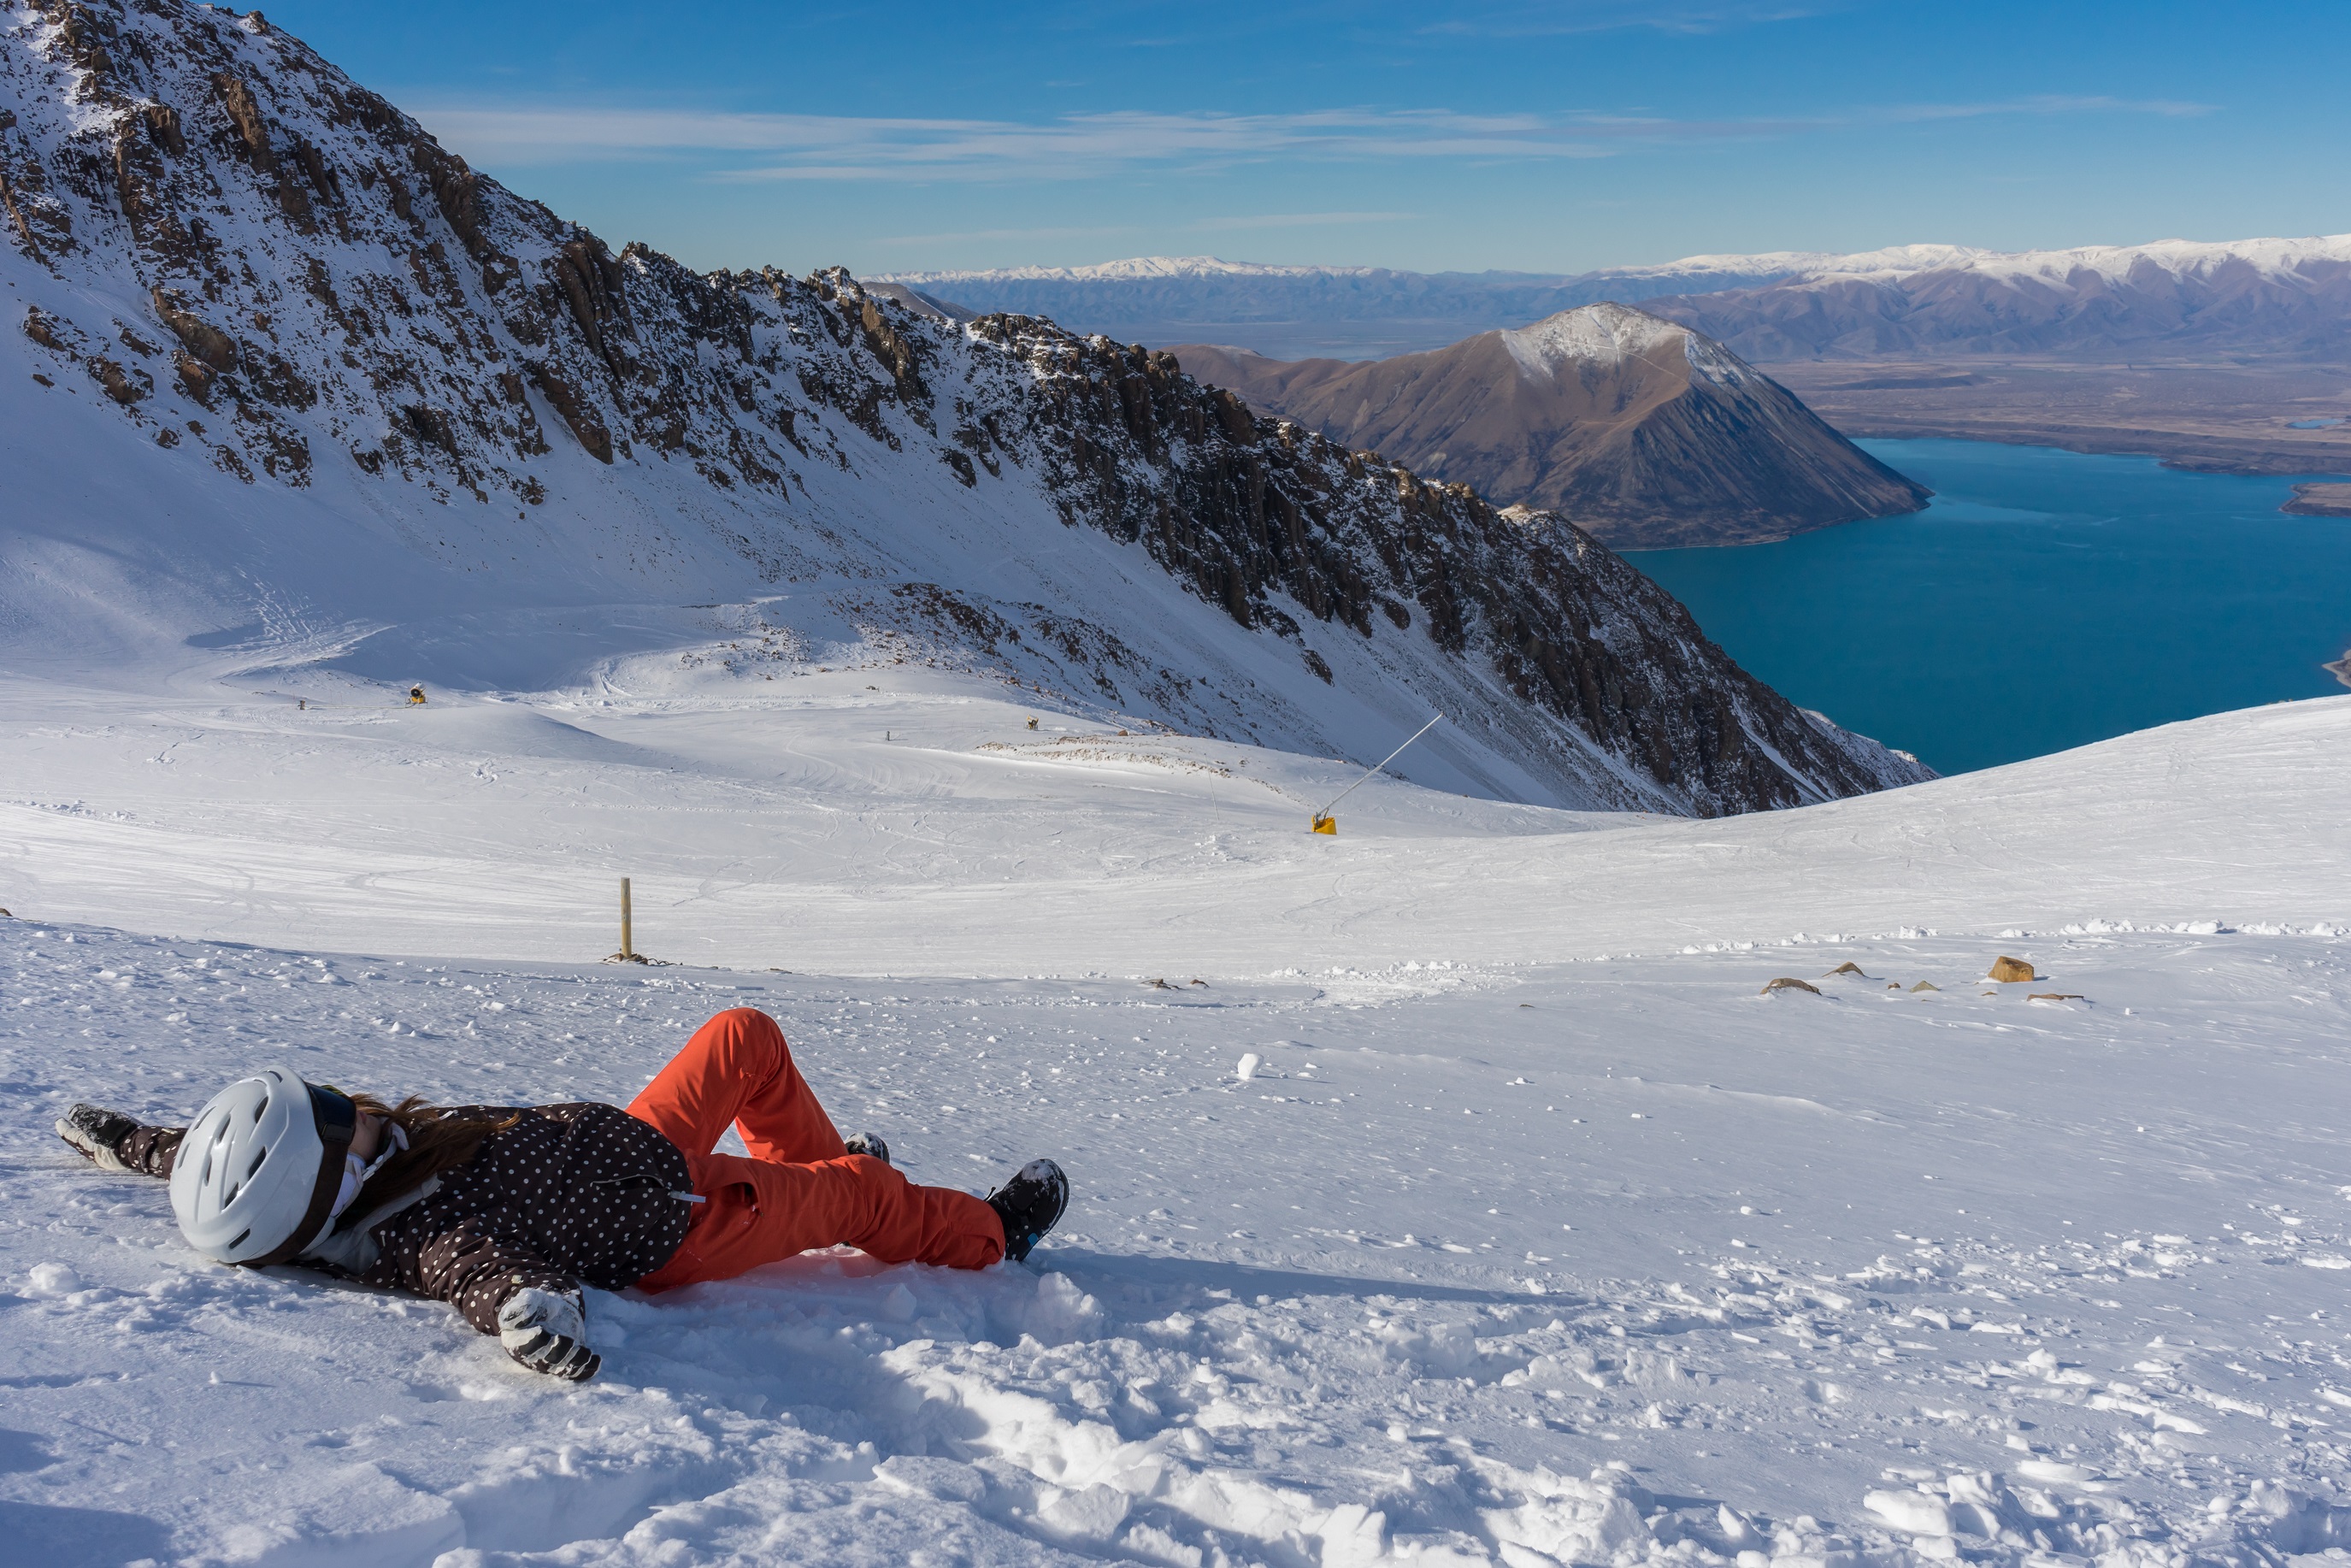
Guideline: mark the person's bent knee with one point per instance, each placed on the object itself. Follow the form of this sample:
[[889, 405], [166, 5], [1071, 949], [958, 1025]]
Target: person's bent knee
[[750, 1029]]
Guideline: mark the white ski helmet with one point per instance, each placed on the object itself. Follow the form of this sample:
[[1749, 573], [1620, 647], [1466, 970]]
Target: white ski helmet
[[256, 1178]]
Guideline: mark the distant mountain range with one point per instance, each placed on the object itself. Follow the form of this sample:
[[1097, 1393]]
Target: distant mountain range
[[1646, 433], [2284, 298]]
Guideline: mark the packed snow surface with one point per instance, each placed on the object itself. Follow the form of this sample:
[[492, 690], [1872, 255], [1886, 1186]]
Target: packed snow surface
[[1450, 1191]]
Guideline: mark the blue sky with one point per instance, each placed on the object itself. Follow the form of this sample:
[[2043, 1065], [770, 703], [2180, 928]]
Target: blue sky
[[1444, 135]]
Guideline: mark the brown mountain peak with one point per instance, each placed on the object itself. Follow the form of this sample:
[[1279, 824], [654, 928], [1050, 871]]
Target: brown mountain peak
[[1646, 431]]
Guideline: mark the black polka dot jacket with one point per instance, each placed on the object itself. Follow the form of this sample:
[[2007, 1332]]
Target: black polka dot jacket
[[570, 1195]]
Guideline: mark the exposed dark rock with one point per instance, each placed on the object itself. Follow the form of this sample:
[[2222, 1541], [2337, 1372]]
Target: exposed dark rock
[[162, 123], [591, 278], [85, 36], [456, 190], [43, 224], [207, 343], [431, 424], [585, 427], [123, 386], [245, 115], [195, 378], [40, 328], [322, 178]]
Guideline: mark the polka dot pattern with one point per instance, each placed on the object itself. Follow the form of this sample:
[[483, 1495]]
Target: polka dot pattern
[[570, 1195]]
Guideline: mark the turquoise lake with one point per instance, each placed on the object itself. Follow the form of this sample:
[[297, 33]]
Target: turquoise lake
[[2045, 599]]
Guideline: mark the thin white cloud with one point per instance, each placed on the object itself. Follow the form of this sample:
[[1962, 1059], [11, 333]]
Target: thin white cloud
[[2050, 103], [1302, 220], [816, 147], [805, 146], [962, 236], [1550, 20], [1204, 226]]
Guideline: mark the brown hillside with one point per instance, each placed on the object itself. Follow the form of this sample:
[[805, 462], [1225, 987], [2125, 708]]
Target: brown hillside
[[1645, 432]]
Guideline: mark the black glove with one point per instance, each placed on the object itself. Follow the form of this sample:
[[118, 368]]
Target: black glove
[[548, 1332]]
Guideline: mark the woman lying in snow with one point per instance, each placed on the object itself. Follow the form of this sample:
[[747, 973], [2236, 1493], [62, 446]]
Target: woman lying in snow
[[506, 1213]]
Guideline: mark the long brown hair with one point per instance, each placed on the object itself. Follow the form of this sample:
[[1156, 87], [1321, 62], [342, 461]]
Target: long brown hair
[[439, 1139]]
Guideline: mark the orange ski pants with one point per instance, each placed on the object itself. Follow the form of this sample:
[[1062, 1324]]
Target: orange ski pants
[[800, 1188]]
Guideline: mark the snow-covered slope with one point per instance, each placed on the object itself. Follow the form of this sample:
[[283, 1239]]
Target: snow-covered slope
[[293, 387], [1537, 1236], [1653, 434], [886, 819]]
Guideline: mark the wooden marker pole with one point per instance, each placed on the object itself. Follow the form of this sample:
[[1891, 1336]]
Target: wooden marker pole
[[627, 950]]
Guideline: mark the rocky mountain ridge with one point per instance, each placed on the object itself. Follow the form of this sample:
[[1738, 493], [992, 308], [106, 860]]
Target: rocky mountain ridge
[[1650, 434], [343, 352]]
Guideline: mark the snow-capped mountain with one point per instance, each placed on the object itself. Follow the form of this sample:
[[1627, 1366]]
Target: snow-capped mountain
[[2181, 299], [296, 389], [1655, 435], [2269, 296], [1764, 265], [1133, 269], [1293, 312]]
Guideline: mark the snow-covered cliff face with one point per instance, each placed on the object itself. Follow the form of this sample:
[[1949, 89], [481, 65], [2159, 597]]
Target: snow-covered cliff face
[[298, 389]]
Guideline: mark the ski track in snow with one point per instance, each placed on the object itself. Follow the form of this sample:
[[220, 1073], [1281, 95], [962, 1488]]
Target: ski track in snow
[[1588, 1262]]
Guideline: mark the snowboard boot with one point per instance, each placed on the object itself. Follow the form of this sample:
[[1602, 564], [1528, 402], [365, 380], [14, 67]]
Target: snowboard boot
[[1030, 1205], [868, 1144], [98, 1134]]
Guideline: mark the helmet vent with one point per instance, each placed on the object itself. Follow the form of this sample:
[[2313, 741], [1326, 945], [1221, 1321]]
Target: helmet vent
[[240, 1239], [255, 1165]]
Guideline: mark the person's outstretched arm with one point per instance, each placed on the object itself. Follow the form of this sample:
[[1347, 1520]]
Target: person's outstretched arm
[[115, 1142], [503, 1287]]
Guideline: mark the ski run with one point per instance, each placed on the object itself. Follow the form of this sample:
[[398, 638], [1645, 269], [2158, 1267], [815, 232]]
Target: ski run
[[1536, 1232]]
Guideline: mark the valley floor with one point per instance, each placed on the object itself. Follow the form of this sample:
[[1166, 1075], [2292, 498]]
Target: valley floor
[[2217, 418], [1538, 1235]]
